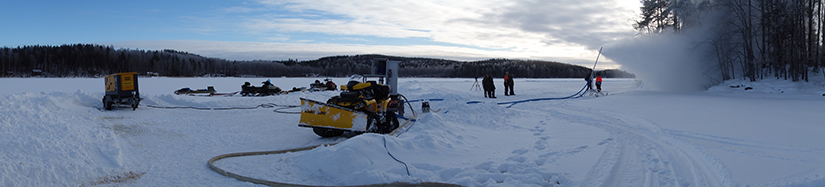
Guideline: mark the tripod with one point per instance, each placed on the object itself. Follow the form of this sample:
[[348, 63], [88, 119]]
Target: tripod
[[475, 86]]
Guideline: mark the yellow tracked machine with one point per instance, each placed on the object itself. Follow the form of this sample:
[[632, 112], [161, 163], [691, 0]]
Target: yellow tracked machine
[[362, 106]]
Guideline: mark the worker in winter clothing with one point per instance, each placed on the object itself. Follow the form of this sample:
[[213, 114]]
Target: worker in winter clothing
[[330, 85], [269, 89], [247, 89], [489, 87], [589, 82], [317, 86], [599, 83], [508, 84], [246, 86]]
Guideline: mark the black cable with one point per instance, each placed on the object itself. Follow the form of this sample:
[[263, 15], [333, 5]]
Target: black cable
[[265, 105], [278, 110]]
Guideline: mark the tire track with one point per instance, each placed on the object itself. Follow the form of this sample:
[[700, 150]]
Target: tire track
[[753, 148], [641, 153]]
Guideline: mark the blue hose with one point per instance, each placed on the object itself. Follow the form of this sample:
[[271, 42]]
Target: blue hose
[[576, 95], [393, 157]]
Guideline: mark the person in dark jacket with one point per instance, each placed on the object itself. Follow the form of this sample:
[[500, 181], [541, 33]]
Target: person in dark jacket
[[269, 89], [508, 84], [248, 89], [330, 85], [489, 87]]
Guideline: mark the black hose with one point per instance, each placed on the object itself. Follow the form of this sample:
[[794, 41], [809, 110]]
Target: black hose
[[265, 105]]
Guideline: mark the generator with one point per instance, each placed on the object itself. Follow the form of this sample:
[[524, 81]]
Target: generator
[[121, 89]]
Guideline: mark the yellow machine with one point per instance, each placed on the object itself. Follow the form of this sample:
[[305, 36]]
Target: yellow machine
[[121, 88], [362, 106]]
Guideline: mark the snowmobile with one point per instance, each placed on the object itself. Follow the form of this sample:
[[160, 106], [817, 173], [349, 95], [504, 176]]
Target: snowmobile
[[328, 85], [266, 89], [331, 86], [317, 86], [208, 90], [360, 107], [121, 88]]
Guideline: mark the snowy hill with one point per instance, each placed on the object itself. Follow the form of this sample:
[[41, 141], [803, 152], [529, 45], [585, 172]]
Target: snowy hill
[[53, 132]]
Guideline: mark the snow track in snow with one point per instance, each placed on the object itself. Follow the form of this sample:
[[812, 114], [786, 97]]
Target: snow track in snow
[[639, 153]]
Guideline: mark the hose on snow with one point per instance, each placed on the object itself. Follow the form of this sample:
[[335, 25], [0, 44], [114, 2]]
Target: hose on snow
[[273, 183], [265, 105], [576, 95], [212, 166]]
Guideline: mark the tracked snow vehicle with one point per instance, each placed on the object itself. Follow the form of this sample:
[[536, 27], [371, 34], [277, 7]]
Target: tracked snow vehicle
[[362, 106]]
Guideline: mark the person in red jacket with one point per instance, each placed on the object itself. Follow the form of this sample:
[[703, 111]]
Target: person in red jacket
[[599, 83], [508, 84]]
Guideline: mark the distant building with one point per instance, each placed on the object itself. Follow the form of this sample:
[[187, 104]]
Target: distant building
[[37, 72]]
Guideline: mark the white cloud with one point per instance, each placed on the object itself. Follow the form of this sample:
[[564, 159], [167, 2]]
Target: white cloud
[[494, 24], [335, 27], [568, 31], [241, 10]]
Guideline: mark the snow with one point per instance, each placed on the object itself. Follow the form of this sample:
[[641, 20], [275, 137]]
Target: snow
[[54, 132]]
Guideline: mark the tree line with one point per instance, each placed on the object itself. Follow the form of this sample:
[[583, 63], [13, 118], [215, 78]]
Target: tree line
[[88, 60], [754, 39]]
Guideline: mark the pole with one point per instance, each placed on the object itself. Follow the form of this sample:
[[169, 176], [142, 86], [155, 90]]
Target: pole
[[593, 71]]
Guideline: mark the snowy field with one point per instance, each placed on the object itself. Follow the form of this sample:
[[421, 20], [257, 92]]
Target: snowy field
[[53, 132]]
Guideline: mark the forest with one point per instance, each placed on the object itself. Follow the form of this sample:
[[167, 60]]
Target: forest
[[89, 60], [752, 39]]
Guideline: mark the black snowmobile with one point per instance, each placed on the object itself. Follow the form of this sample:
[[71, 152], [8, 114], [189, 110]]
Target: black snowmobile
[[208, 90], [266, 89], [328, 85]]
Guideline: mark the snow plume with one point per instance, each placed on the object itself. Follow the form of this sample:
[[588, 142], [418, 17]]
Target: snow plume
[[664, 62]]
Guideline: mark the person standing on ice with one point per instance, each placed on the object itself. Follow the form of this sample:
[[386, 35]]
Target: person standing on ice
[[489, 87], [599, 83], [508, 84]]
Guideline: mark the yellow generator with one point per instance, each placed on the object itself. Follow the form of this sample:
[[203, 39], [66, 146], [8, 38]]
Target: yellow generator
[[121, 89], [362, 106]]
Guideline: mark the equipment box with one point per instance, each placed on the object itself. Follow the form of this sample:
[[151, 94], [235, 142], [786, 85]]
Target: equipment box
[[122, 89]]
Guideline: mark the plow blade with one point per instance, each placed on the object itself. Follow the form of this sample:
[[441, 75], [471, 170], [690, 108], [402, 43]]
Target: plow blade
[[316, 114]]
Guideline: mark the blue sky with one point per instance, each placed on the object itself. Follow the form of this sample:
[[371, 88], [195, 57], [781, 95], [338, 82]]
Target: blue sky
[[568, 31]]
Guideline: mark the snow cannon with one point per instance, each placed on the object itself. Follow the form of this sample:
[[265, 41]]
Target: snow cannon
[[362, 106], [122, 89]]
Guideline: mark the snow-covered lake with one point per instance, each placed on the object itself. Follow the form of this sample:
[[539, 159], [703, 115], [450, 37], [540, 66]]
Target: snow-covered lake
[[53, 132]]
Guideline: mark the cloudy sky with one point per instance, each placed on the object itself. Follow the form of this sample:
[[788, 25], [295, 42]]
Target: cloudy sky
[[569, 31]]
